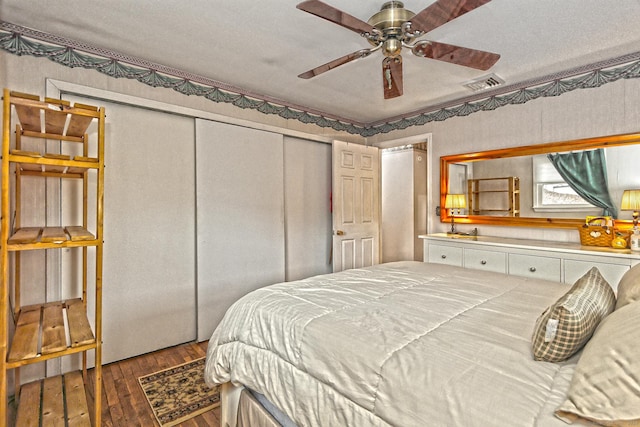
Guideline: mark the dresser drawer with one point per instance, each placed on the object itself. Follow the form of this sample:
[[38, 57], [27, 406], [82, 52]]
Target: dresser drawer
[[539, 267], [485, 260], [612, 273], [442, 254]]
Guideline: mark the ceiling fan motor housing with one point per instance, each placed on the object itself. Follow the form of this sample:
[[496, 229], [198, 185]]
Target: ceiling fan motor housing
[[389, 21]]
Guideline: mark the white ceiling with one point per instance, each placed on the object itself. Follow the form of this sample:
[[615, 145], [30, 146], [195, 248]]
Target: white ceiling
[[260, 46]]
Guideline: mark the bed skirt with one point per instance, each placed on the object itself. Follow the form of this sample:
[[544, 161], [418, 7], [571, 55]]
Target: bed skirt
[[252, 414], [229, 400], [240, 408]]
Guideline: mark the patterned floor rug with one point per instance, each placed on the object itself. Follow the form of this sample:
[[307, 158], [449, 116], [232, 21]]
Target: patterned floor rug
[[179, 393]]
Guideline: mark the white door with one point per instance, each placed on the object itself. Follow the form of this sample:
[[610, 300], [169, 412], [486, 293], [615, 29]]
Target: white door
[[356, 208]]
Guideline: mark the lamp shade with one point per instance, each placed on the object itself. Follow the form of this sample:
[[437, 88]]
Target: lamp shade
[[455, 201], [630, 200]]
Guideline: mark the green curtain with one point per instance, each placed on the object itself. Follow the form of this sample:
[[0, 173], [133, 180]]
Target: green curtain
[[586, 173]]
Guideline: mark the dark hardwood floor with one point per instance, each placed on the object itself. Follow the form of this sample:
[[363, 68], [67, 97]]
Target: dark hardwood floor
[[124, 403]]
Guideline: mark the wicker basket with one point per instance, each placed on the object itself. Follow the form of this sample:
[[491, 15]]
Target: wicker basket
[[596, 235]]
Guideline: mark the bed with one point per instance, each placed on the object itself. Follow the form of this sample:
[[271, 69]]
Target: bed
[[398, 344]]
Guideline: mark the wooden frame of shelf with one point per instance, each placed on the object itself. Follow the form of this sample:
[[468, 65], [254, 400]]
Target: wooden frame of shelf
[[41, 332]]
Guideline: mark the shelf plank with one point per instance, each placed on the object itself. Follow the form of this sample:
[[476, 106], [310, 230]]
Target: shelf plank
[[78, 124], [33, 154], [28, 116], [86, 159], [25, 339], [55, 136], [79, 233], [29, 409], [54, 116], [25, 235], [77, 408], [53, 163], [55, 169], [53, 333], [40, 331], [75, 172], [27, 238], [57, 156], [40, 246], [53, 235], [80, 331], [52, 402], [60, 118], [31, 167]]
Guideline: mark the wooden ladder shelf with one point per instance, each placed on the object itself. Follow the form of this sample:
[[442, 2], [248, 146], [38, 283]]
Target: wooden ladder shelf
[[51, 329]]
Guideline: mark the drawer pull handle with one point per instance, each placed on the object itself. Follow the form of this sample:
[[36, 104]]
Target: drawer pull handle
[[483, 262], [443, 256], [532, 269]]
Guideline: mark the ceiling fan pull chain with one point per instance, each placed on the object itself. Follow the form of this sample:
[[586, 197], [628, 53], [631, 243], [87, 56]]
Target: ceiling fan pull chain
[[387, 76]]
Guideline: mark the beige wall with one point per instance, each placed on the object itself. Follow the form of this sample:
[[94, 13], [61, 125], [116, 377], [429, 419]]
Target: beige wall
[[610, 109]]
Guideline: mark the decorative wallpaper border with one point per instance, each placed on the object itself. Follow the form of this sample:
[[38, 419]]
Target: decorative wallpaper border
[[20, 40]]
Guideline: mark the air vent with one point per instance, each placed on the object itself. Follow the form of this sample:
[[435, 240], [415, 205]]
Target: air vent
[[484, 83]]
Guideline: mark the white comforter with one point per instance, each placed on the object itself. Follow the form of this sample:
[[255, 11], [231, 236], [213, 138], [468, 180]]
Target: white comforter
[[403, 344]]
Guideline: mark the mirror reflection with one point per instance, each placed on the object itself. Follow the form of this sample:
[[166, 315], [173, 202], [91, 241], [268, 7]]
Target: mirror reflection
[[553, 185]]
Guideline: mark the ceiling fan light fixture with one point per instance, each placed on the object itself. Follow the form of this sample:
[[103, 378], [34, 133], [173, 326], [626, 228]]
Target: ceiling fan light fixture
[[391, 47]]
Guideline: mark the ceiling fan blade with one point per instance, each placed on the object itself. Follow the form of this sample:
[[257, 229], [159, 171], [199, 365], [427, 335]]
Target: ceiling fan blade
[[336, 63], [392, 77], [330, 13], [441, 12], [464, 56]]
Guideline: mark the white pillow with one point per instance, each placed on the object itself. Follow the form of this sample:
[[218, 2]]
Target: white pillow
[[629, 287], [605, 387]]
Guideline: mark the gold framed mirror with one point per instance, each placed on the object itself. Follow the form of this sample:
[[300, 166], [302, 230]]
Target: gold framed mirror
[[452, 165]]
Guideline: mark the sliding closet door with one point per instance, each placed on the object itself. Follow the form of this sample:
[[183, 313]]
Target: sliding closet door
[[149, 231], [240, 216], [307, 170]]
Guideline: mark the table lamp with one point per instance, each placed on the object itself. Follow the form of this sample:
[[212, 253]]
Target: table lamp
[[631, 202], [454, 202]]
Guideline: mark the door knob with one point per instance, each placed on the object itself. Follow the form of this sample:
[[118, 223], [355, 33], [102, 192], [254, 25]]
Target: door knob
[[340, 233]]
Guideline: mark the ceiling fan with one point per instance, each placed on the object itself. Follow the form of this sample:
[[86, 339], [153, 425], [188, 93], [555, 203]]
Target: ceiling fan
[[394, 28]]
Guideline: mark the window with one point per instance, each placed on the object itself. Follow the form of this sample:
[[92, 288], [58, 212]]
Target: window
[[551, 192]]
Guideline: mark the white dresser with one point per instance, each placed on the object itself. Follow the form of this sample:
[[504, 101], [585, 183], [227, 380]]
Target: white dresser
[[560, 262]]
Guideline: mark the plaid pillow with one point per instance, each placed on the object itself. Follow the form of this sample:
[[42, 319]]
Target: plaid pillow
[[566, 326]]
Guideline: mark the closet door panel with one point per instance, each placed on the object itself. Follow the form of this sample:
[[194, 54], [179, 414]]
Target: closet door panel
[[149, 231], [240, 216], [307, 170]]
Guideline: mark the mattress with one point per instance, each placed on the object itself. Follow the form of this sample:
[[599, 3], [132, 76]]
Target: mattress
[[402, 344]]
